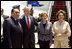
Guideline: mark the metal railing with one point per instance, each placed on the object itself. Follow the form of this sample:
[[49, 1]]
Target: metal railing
[[68, 5], [50, 10]]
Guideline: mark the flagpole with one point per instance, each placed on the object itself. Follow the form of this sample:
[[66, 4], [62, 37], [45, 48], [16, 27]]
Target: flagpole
[[27, 3], [32, 6]]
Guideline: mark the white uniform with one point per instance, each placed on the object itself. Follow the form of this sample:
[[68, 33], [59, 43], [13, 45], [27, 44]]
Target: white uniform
[[62, 41], [2, 20]]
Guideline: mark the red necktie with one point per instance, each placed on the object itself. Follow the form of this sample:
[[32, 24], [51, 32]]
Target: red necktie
[[28, 24]]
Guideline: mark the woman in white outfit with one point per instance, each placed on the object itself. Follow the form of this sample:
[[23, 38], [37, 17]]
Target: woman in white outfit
[[61, 31]]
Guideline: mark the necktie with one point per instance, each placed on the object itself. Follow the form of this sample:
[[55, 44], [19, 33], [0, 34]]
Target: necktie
[[28, 24], [18, 24]]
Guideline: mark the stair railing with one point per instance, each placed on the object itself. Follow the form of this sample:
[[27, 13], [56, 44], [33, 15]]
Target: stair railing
[[50, 10], [68, 5]]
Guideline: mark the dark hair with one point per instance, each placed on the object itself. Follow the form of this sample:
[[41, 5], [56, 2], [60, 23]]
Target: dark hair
[[61, 11], [12, 10], [2, 9]]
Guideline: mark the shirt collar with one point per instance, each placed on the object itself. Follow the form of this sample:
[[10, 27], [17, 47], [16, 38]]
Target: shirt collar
[[61, 23], [26, 16], [15, 18]]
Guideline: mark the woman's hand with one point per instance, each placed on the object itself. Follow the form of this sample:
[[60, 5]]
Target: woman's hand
[[59, 35], [54, 34], [50, 43], [64, 34]]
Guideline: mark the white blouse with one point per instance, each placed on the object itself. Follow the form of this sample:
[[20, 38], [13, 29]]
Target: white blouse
[[61, 28]]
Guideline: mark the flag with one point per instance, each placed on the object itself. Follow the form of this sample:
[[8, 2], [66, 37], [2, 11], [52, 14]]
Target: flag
[[38, 5], [35, 3]]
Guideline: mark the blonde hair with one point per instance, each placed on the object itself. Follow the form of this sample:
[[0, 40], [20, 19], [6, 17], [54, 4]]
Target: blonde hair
[[61, 11], [41, 14]]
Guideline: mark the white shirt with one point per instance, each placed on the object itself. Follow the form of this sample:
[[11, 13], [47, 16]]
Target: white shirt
[[29, 19], [18, 22], [2, 20]]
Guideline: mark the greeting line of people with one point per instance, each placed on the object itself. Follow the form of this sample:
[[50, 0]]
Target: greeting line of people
[[19, 32]]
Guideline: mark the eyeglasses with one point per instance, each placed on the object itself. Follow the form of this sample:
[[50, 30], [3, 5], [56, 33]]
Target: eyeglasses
[[61, 15]]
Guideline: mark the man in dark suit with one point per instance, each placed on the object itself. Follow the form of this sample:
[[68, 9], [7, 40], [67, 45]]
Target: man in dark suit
[[39, 18], [28, 23], [16, 6], [12, 30]]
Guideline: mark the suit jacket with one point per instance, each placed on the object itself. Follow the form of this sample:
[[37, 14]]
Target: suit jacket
[[29, 38], [45, 34], [5, 17], [12, 34], [38, 19]]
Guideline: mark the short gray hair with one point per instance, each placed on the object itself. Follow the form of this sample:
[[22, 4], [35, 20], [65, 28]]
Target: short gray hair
[[27, 7]]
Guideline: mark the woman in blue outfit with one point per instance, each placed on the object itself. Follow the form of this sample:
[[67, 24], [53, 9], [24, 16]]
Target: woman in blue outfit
[[44, 31]]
